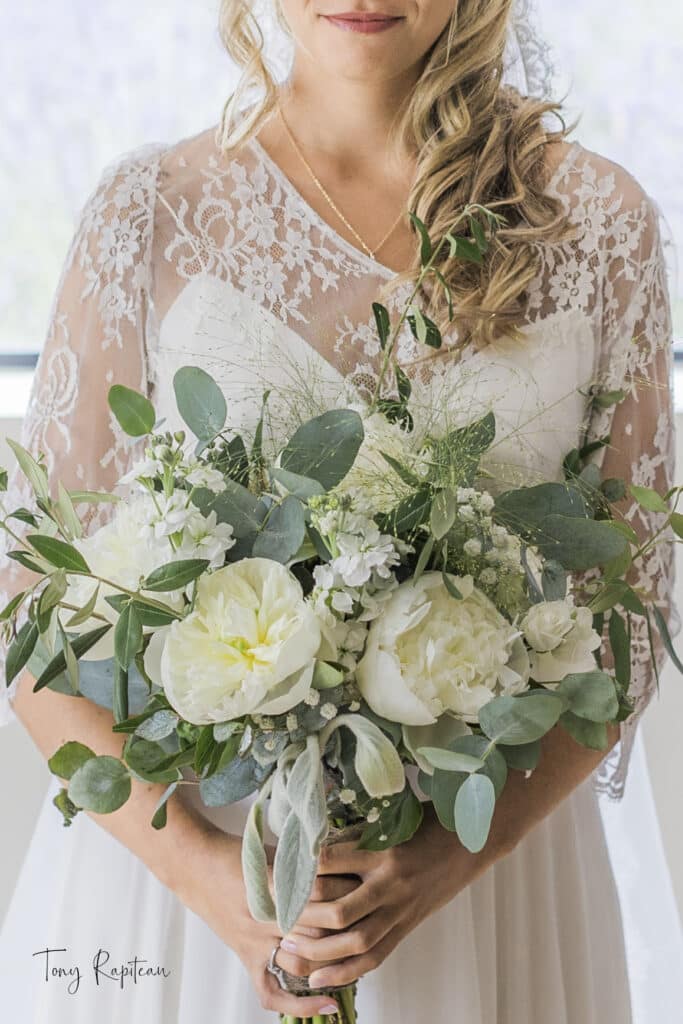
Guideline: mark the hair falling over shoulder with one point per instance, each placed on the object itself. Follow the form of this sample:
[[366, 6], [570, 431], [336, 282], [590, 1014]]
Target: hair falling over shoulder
[[476, 140]]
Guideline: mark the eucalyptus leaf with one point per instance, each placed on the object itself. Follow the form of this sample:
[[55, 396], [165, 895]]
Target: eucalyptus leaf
[[302, 487], [282, 533], [580, 544], [524, 757], [101, 784], [200, 401], [134, 412], [517, 720], [325, 447], [451, 760], [69, 758], [474, 805], [590, 695], [588, 734], [648, 499], [234, 782]]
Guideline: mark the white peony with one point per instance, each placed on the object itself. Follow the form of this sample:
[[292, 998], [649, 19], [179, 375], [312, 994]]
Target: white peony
[[574, 650], [248, 646], [429, 652]]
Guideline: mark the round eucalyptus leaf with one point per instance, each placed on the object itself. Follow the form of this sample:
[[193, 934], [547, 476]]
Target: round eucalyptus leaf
[[523, 719], [69, 758], [591, 695], [101, 784], [325, 448], [283, 532]]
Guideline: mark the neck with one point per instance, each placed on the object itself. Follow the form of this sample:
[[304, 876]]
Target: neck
[[347, 121]]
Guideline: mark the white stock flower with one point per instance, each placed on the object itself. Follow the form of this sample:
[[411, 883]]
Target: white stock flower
[[573, 652], [123, 551], [248, 646], [199, 475], [429, 652]]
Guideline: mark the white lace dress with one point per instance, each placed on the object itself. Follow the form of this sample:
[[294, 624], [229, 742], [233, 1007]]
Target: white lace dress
[[183, 256]]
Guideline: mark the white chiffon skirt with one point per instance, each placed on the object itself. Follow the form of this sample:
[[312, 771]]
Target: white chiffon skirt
[[537, 939]]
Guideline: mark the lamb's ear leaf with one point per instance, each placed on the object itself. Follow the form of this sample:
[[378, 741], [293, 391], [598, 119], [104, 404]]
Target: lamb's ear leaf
[[255, 866], [294, 873]]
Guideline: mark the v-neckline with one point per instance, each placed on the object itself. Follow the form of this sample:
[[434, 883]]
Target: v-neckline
[[379, 268], [312, 214]]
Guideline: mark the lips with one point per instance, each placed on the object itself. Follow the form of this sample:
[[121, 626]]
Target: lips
[[362, 21]]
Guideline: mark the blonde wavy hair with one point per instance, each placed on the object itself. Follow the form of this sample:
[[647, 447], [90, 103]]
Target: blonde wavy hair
[[475, 139]]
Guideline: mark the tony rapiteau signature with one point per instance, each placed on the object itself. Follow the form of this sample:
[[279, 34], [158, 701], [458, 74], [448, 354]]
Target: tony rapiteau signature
[[56, 968]]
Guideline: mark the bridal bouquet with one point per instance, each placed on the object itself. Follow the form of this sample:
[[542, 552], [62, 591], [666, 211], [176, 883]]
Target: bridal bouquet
[[341, 627]]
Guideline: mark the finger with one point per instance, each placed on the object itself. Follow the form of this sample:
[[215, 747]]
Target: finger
[[342, 944], [295, 964], [354, 967], [336, 915], [275, 998], [346, 859], [313, 933], [333, 887]]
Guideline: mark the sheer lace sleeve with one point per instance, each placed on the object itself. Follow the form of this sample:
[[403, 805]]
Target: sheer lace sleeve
[[636, 357], [96, 336]]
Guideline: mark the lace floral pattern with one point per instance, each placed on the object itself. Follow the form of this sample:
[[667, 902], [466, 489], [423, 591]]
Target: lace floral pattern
[[165, 215]]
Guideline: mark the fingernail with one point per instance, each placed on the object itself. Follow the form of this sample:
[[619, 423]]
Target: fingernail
[[288, 945], [330, 1008]]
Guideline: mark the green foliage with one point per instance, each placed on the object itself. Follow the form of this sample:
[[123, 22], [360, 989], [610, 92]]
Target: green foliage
[[325, 447], [134, 412], [521, 720], [474, 804], [80, 646], [58, 552], [398, 822], [101, 784], [69, 758], [200, 402], [282, 533], [174, 575]]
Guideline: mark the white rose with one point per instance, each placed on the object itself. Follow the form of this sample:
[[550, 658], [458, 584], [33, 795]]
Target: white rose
[[547, 623], [248, 646], [428, 653], [573, 654]]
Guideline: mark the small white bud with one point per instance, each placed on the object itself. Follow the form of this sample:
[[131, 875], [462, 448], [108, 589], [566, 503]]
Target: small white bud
[[373, 814], [347, 796], [328, 711]]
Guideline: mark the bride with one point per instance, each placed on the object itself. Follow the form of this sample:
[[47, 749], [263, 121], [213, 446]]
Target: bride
[[263, 241]]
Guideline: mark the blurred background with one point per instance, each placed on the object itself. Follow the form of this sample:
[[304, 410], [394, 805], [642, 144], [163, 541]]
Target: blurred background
[[82, 83]]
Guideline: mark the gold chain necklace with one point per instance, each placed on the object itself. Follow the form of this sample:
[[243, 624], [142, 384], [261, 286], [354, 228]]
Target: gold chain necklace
[[371, 252]]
